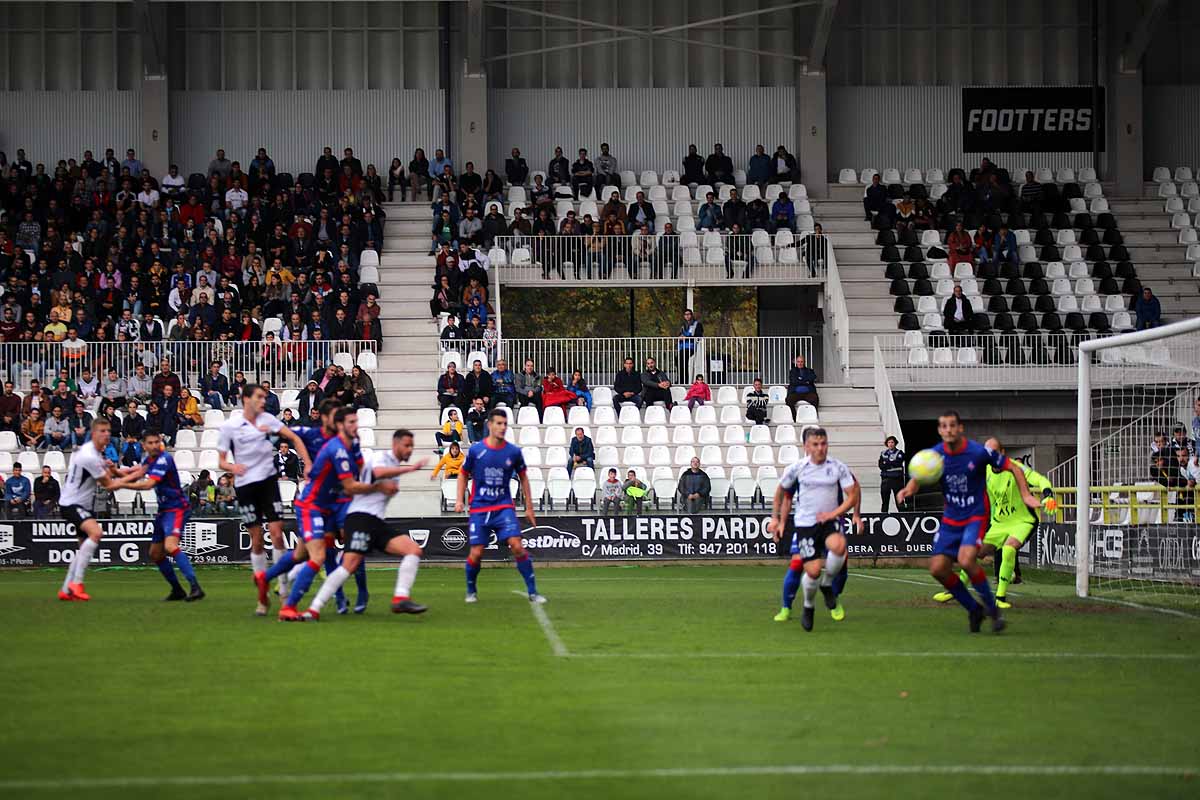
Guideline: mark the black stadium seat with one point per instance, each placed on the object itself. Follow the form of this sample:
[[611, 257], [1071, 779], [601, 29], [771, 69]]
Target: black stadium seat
[[985, 271], [1015, 354], [1106, 221], [196, 181], [1032, 269], [1004, 322], [1125, 270], [1101, 270], [1109, 286], [1027, 322], [1044, 304], [923, 288], [997, 304], [1088, 236], [1043, 237], [980, 322], [918, 270], [1075, 322], [1113, 236], [1050, 253], [993, 288], [890, 253], [1021, 304], [893, 271], [1094, 253], [1015, 286], [1010, 270], [1039, 286], [899, 288], [909, 322], [1098, 321], [1083, 221], [1051, 321], [885, 237], [904, 305], [307, 180], [1118, 253], [913, 253]]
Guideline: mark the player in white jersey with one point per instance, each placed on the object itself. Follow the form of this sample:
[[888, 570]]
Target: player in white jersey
[[810, 488], [88, 468], [246, 450], [366, 529]]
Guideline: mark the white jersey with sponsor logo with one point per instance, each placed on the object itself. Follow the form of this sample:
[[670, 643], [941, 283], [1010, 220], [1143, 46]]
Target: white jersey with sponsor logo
[[374, 503], [250, 447], [814, 488], [79, 488]]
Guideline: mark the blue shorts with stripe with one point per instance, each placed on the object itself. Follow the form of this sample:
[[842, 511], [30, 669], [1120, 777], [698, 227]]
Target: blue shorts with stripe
[[169, 523], [501, 521], [950, 536], [317, 523]]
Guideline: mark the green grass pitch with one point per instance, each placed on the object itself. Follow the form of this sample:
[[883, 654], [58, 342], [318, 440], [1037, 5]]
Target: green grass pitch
[[639, 682]]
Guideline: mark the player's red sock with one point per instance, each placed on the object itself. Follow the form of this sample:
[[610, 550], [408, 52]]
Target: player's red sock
[[954, 586]]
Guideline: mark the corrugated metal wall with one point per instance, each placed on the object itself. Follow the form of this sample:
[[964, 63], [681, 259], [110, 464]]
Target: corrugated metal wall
[[294, 126], [913, 126], [49, 125], [645, 127], [1172, 119]]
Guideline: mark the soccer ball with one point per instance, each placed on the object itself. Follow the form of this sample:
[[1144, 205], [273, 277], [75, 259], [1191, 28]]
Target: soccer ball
[[926, 467]]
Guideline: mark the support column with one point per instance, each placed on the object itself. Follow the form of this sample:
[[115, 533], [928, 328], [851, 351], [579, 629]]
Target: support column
[[472, 98], [155, 119], [812, 122], [1126, 143]]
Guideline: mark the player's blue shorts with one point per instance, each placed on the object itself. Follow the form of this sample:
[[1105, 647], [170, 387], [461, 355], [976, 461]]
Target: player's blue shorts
[[317, 523], [951, 537], [502, 522], [169, 523]]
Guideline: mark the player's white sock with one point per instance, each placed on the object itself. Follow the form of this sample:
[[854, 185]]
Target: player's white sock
[[833, 565], [258, 561], [295, 571], [332, 583], [809, 585], [278, 553], [406, 574], [87, 549]]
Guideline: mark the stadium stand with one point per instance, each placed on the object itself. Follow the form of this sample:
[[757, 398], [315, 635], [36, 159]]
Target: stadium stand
[[120, 286], [1069, 270]]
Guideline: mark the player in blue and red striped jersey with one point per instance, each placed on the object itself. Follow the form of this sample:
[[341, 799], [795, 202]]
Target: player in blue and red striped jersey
[[322, 506], [491, 464], [158, 472], [287, 562], [965, 518]]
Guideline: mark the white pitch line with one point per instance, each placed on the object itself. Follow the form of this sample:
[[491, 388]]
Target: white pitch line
[[951, 654], [543, 619], [771, 770], [1172, 612]]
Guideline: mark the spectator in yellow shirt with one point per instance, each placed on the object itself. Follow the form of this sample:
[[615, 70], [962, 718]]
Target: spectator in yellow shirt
[[452, 431], [452, 462]]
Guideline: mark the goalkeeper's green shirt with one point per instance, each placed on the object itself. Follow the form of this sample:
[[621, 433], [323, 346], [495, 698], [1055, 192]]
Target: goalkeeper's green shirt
[[1005, 497]]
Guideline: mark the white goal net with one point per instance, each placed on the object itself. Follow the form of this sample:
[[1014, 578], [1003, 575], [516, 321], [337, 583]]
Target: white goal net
[[1135, 532]]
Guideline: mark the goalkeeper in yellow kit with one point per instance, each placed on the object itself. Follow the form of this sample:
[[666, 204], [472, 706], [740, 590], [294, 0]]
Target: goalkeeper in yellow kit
[[1011, 523]]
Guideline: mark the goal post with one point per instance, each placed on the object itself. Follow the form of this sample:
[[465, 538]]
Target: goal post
[[1160, 363]]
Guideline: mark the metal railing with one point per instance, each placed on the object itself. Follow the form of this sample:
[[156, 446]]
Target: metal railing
[[987, 362], [1141, 504], [286, 364], [721, 359], [689, 257], [887, 404], [837, 318]]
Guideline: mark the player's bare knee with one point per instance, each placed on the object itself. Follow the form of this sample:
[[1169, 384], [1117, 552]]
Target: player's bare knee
[[1013, 543], [812, 569], [836, 544]]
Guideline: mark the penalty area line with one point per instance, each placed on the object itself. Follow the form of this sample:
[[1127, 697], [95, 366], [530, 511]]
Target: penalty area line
[[1007, 770], [543, 619]]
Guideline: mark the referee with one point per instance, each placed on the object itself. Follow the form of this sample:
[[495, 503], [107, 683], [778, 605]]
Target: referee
[[245, 449], [809, 488]]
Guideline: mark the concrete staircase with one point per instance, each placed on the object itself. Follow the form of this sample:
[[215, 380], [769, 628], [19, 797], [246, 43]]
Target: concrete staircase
[[406, 381], [851, 416]]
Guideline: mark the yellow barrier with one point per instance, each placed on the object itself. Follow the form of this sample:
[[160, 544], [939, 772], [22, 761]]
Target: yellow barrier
[[1114, 502]]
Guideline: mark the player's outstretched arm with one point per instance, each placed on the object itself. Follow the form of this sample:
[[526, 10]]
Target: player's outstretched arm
[[908, 491], [525, 492], [297, 444], [225, 465], [384, 473], [850, 500], [460, 494], [1022, 484], [780, 505], [351, 486]]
